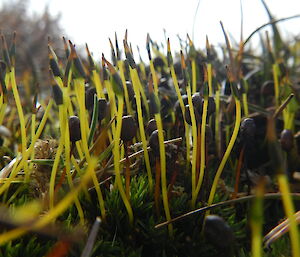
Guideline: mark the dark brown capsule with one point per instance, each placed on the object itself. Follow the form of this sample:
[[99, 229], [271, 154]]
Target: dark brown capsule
[[248, 128], [74, 129], [177, 107], [197, 102], [129, 128], [211, 107], [53, 62], [102, 108], [130, 91], [57, 94], [287, 140], [188, 118], [218, 232], [89, 98], [154, 142], [2, 77], [158, 63], [151, 126]]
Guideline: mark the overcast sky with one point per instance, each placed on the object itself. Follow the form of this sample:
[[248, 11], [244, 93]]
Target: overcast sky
[[94, 21]]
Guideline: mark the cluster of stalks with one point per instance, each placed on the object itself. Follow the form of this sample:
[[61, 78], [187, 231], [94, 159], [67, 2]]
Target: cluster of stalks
[[100, 113]]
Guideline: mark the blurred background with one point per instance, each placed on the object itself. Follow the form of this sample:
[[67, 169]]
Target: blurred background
[[93, 22]]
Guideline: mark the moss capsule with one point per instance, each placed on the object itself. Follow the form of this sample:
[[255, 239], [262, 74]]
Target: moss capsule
[[287, 140], [129, 128], [74, 128], [218, 232]]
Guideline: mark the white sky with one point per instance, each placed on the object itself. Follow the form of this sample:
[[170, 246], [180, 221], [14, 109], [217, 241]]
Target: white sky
[[92, 21]]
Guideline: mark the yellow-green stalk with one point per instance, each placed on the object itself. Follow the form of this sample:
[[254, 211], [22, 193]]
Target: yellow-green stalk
[[193, 120], [182, 107], [33, 121], [163, 171], [68, 154], [137, 92], [230, 145], [162, 152], [289, 210], [59, 152], [53, 62], [121, 69], [244, 97], [79, 88], [119, 91], [117, 62], [55, 212], [20, 113], [194, 69], [209, 79], [256, 221], [217, 121], [95, 75], [3, 106], [80, 93], [117, 159], [112, 100], [202, 147]]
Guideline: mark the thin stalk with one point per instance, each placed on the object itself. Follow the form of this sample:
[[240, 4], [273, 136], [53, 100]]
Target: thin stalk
[[238, 173], [202, 154], [98, 84], [256, 221], [127, 102], [194, 76], [157, 186], [154, 76], [19, 108], [182, 107], [127, 171], [217, 122], [194, 135], [33, 121], [163, 171], [112, 103], [289, 210], [21, 116], [57, 156], [209, 79], [79, 88], [2, 109], [117, 159], [227, 152], [245, 104], [68, 160], [94, 122], [186, 126], [33, 124], [141, 127], [142, 91], [70, 109]]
